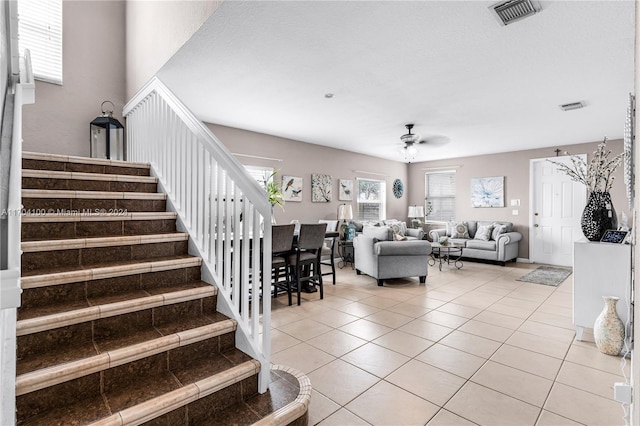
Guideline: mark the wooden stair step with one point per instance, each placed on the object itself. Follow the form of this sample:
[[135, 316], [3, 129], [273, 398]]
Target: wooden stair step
[[94, 195], [36, 201], [72, 369]]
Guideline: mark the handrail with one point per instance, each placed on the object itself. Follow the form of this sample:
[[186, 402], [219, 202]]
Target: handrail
[[224, 210]]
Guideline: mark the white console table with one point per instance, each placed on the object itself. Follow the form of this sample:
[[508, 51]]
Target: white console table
[[599, 269]]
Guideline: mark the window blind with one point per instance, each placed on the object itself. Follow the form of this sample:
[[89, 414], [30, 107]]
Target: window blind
[[40, 31], [440, 196]]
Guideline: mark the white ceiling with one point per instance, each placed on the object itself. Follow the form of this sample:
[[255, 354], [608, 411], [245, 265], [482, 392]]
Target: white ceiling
[[447, 66]]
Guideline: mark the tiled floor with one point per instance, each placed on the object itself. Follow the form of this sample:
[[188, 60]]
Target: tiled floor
[[472, 346]]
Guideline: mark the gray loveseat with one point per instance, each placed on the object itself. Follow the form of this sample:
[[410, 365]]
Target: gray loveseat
[[379, 256], [501, 246]]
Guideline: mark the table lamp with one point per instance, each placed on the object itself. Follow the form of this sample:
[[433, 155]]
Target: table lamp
[[345, 213], [417, 214]]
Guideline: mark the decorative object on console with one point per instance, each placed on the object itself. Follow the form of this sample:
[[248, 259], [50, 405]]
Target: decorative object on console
[[345, 190], [292, 188], [608, 330], [599, 214], [416, 213], [398, 188], [321, 188], [614, 236], [345, 214], [487, 192]]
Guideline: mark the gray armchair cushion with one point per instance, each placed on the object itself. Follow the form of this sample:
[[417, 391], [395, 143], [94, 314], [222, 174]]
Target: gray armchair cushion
[[380, 233], [402, 248]]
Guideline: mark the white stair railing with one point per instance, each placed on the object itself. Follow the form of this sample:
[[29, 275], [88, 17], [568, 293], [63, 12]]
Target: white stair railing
[[224, 210]]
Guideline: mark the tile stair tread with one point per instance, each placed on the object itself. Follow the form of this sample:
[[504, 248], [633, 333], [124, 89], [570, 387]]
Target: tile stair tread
[[102, 266], [97, 242], [71, 305], [92, 217], [141, 390], [64, 355], [53, 174], [30, 155], [93, 195], [32, 244]]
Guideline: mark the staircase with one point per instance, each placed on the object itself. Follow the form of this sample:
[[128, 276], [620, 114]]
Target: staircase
[[116, 326]]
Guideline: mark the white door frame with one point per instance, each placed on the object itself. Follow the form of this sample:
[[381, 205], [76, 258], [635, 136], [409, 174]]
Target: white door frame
[[532, 198]]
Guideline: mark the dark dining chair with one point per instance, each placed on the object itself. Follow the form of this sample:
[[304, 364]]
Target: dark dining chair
[[328, 249], [305, 262], [281, 247]]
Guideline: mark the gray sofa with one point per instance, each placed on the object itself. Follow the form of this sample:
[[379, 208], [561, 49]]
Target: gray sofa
[[502, 245], [379, 256]]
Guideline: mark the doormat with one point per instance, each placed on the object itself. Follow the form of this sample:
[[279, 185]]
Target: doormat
[[546, 275]]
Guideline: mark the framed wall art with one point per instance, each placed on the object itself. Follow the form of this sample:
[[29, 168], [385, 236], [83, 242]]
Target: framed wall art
[[321, 188], [292, 188], [345, 190], [487, 192]]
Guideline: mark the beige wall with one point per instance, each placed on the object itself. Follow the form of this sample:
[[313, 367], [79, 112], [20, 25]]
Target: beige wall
[[155, 30], [93, 71], [303, 159], [514, 166]]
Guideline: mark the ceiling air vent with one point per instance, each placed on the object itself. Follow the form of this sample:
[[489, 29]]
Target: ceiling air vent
[[572, 105], [513, 10]]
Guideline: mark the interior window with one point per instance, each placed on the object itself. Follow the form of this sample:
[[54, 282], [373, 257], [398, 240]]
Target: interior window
[[372, 198], [40, 31], [440, 196]]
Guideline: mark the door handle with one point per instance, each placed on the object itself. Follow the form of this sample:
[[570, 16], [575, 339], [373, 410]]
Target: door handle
[[535, 226]]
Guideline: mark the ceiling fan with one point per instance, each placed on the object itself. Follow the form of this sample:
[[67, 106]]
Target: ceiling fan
[[412, 140], [409, 150]]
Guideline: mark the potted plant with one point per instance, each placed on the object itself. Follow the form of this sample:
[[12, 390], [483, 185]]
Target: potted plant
[[274, 193]]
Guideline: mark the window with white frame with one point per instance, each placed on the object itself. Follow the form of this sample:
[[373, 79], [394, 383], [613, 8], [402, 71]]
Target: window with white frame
[[40, 31], [372, 196], [440, 196], [263, 175]]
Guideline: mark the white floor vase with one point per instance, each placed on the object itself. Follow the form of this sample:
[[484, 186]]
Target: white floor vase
[[608, 330]]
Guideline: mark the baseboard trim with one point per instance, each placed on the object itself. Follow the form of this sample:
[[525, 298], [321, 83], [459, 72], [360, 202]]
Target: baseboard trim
[[523, 260]]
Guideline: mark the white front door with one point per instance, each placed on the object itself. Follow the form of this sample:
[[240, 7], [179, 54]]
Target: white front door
[[557, 204]]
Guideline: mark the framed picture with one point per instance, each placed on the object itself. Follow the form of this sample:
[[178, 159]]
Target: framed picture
[[321, 188], [345, 190], [487, 192], [613, 236], [292, 188]]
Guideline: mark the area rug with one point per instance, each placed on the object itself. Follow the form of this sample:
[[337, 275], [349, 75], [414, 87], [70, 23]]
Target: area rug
[[547, 275]]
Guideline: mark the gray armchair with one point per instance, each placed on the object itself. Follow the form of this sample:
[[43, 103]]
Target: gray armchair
[[380, 257]]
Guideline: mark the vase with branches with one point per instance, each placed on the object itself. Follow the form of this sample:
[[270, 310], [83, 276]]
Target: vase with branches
[[274, 192], [598, 176]]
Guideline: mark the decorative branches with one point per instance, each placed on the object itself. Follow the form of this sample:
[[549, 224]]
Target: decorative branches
[[598, 174]]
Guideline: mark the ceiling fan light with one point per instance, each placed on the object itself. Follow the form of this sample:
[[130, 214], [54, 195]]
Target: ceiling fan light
[[412, 150], [410, 138]]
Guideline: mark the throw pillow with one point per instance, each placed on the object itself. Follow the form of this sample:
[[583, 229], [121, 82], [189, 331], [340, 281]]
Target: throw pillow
[[398, 237], [497, 230], [397, 228], [460, 230], [483, 233]]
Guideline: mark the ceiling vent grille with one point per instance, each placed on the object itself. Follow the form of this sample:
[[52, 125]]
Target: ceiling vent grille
[[514, 10], [572, 105]]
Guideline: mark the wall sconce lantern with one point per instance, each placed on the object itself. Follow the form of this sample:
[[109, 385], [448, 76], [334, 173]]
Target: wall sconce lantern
[[107, 135]]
